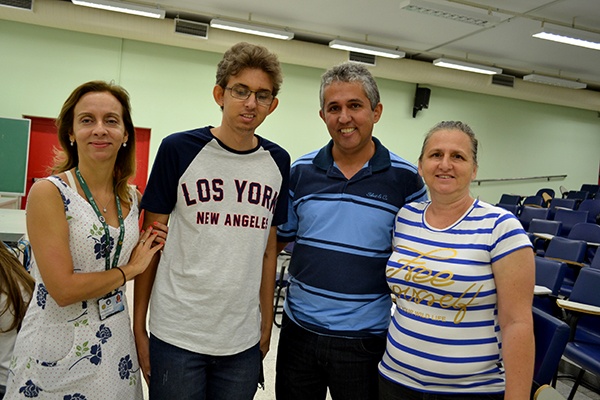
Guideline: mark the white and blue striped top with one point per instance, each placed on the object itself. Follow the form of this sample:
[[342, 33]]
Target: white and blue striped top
[[444, 336]]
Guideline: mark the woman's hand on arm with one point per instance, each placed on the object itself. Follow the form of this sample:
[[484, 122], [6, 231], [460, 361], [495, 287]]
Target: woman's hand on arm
[[48, 232], [515, 276], [160, 228]]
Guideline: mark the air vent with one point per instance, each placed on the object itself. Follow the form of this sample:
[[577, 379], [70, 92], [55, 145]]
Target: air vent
[[21, 4], [503, 80], [362, 58], [191, 28]]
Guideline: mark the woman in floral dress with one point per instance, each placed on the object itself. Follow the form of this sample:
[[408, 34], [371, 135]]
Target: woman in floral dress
[[76, 342]]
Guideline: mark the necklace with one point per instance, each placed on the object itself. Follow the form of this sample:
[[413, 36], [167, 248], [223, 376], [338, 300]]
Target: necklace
[[106, 204], [104, 209]]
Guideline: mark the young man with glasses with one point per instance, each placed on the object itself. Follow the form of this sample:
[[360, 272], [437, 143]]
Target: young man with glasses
[[223, 190]]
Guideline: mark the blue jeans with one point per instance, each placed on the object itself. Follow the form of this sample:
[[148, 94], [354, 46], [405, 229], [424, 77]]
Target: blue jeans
[[182, 374], [309, 363], [389, 390]]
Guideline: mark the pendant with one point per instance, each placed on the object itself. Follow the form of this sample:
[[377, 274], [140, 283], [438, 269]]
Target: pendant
[[104, 210]]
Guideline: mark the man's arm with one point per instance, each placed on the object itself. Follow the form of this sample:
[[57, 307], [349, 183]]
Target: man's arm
[[141, 299], [267, 290]]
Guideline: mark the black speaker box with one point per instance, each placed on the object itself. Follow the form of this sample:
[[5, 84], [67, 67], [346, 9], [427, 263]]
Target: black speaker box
[[421, 99]]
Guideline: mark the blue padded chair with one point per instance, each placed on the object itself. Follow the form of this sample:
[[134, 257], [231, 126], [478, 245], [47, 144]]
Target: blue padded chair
[[591, 188], [583, 348], [572, 253], [596, 261], [559, 202], [528, 213], [542, 226], [590, 233], [551, 337], [547, 194], [569, 218], [534, 201], [513, 208], [592, 206], [548, 191], [578, 195], [548, 273], [510, 199]]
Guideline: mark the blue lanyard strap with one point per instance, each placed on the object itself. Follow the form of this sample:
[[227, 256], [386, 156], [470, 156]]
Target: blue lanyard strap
[[106, 249]]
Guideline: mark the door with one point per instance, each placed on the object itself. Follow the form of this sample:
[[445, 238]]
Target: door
[[43, 145]]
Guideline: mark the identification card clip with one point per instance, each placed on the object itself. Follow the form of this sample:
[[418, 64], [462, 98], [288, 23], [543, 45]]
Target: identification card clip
[[111, 304]]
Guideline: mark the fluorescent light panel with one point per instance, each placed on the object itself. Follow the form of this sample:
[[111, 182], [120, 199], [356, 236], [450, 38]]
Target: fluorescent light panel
[[251, 29], [466, 66], [548, 80], [575, 37], [366, 49], [118, 6], [447, 12]]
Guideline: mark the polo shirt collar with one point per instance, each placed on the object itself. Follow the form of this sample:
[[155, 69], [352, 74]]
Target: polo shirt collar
[[379, 161]]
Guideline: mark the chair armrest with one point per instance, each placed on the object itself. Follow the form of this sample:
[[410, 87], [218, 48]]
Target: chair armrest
[[545, 236], [541, 290], [579, 307], [547, 392], [569, 262]]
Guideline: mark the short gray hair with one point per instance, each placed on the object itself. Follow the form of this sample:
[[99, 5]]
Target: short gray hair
[[351, 72]]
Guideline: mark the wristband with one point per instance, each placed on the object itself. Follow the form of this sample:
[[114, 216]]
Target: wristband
[[122, 273]]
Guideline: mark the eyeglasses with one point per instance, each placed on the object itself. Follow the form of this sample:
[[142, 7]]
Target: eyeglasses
[[241, 92]]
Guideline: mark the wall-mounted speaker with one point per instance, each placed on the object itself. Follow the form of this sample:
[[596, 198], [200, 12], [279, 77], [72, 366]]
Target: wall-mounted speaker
[[21, 4], [191, 28], [362, 58], [421, 99]]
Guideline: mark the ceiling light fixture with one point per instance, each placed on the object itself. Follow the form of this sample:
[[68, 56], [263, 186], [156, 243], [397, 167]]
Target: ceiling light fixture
[[572, 36], [452, 13], [466, 66], [366, 49], [251, 29], [548, 80], [119, 6]]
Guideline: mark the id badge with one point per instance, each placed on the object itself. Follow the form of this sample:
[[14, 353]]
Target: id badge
[[111, 304]]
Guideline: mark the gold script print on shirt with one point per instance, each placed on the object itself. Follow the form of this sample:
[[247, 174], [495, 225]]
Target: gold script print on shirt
[[415, 270]]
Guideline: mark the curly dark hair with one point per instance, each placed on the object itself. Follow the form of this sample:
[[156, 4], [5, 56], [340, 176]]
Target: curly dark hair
[[245, 55]]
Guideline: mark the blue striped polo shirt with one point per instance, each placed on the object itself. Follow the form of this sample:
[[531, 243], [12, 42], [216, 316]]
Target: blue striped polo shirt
[[343, 233]]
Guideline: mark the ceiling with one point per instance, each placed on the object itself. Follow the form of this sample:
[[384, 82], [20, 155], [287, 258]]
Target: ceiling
[[506, 44]]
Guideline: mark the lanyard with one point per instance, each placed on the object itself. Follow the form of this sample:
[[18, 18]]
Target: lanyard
[[88, 194]]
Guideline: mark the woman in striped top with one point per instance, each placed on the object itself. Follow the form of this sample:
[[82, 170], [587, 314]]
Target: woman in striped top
[[462, 273]]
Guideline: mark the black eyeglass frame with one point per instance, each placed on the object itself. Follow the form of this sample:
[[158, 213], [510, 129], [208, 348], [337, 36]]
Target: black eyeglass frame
[[235, 89]]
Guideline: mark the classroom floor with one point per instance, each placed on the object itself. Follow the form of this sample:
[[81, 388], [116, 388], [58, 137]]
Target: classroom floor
[[564, 384]]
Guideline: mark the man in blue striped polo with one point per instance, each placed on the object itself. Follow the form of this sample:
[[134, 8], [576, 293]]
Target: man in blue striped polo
[[343, 200]]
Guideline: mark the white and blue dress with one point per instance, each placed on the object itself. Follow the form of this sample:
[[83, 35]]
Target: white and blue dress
[[68, 353]]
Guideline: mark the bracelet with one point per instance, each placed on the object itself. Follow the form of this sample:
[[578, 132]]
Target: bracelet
[[122, 273]]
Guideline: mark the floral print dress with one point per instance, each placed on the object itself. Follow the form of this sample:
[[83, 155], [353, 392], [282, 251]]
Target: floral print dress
[[68, 353]]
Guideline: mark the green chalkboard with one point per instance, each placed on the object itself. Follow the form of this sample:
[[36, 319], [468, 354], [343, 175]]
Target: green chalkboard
[[14, 151]]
